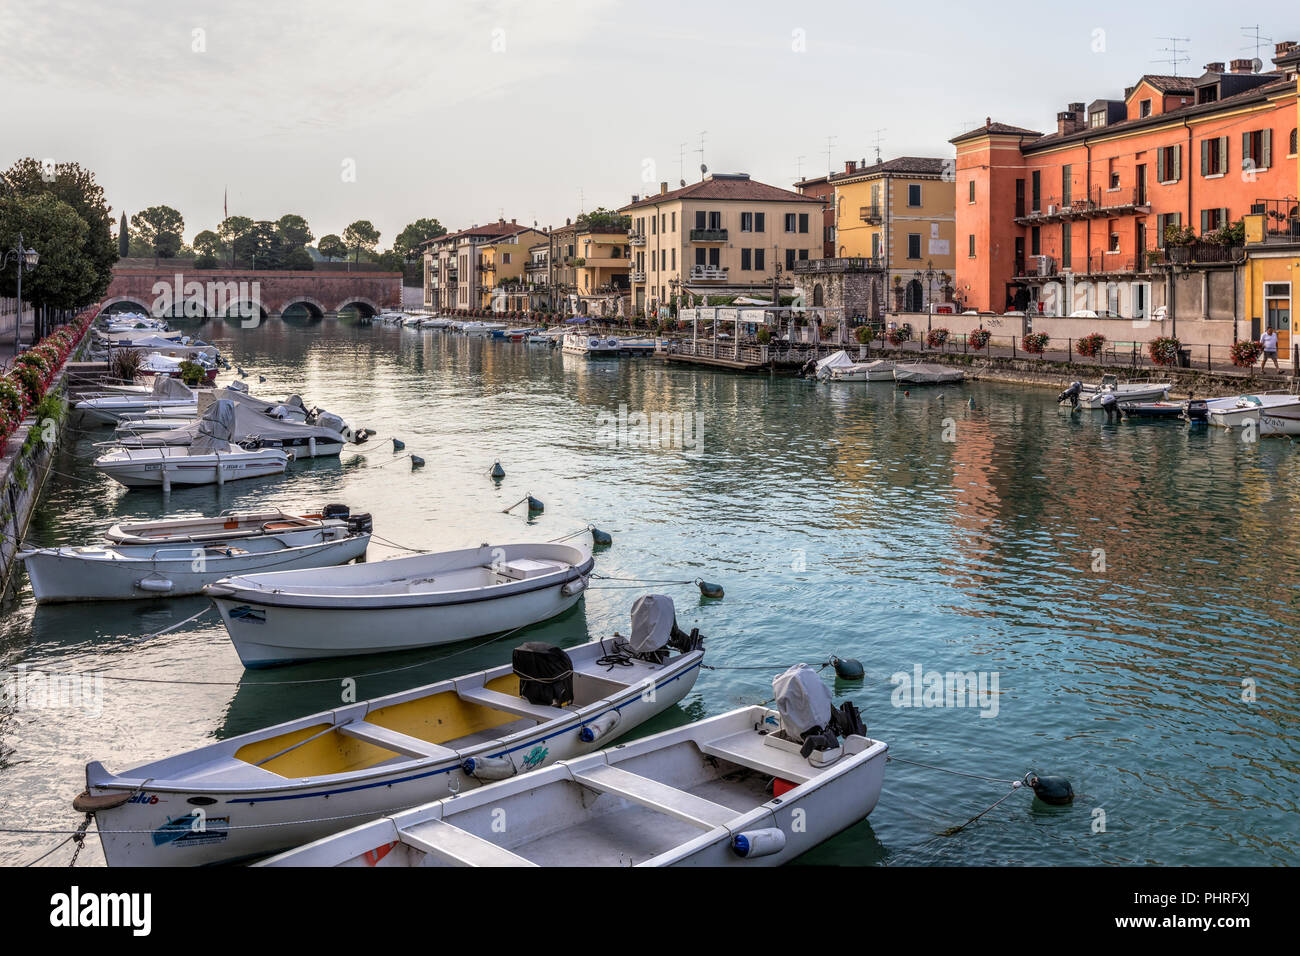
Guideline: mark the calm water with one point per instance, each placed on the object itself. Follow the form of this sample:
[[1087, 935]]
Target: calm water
[[840, 522]]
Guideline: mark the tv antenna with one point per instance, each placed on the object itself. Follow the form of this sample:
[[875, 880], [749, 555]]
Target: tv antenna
[[703, 169], [830, 146], [1257, 42], [1176, 56], [798, 165], [681, 164], [879, 140]]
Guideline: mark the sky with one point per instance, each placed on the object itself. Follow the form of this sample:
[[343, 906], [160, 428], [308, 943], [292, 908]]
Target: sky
[[482, 109]]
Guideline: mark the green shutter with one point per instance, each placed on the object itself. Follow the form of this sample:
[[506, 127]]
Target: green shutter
[[1266, 150], [1245, 150], [1223, 154], [1178, 162], [1205, 157], [1160, 164], [1205, 221]]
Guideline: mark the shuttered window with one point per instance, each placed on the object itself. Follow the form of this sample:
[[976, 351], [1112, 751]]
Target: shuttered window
[[1214, 156], [1257, 149]]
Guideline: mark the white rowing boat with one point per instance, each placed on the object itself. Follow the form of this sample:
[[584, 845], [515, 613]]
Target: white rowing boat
[[287, 785], [878, 371], [227, 526], [700, 795], [167, 395], [399, 604]]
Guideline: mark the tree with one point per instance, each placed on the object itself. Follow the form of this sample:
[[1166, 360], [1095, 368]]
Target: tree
[[391, 261], [294, 231], [123, 237], [331, 247], [160, 227], [410, 239], [299, 260], [603, 219], [65, 277], [231, 230], [262, 245], [360, 237], [207, 244], [77, 187]]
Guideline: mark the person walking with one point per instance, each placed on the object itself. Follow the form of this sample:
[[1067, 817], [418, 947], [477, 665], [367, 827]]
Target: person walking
[[1268, 342]]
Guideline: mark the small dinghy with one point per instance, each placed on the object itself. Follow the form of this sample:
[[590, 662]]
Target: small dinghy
[[1090, 396], [926, 373], [209, 459], [167, 394], [227, 526], [739, 789], [878, 371], [125, 572], [1153, 410], [399, 604], [283, 786]]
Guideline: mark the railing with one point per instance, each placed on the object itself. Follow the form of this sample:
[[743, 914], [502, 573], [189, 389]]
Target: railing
[[728, 350], [855, 264], [708, 273], [638, 275], [708, 235], [1203, 252], [1101, 202], [870, 213], [636, 239], [1281, 219]]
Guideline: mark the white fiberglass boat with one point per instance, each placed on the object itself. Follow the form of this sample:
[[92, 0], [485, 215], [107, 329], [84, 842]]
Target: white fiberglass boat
[[482, 329], [227, 526], [822, 368], [1272, 414], [878, 371], [436, 322], [167, 394], [730, 790], [1091, 395], [399, 604], [926, 373], [209, 459], [587, 344], [287, 785], [126, 572]]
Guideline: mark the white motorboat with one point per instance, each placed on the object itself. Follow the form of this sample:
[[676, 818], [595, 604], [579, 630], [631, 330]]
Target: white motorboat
[[878, 371], [589, 345], [546, 336], [1271, 413], [822, 368], [1091, 395], [129, 427], [209, 459], [399, 604], [126, 572], [167, 394], [482, 329], [730, 790], [926, 373], [283, 786], [435, 322]]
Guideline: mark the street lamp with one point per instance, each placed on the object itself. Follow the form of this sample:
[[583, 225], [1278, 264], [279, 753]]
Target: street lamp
[[26, 260]]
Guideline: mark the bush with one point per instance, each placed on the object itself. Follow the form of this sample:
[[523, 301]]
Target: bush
[[32, 383], [936, 338], [1090, 345], [192, 373], [764, 335], [1164, 351], [1246, 353], [979, 338], [1035, 342], [205, 262], [899, 335], [865, 334]]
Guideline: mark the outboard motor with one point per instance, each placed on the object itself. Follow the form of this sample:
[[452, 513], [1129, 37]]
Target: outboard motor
[[655, 633], [1110, 405], [1196, 410], [361, 523], [335, 511], [545, 674], [1071, 393]]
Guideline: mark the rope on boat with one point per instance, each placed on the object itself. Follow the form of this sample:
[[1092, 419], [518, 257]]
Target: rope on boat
[[399, 547]]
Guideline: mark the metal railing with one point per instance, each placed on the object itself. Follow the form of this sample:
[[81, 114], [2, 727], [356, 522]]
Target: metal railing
[[708, 273], [708, 235], [853, 264]]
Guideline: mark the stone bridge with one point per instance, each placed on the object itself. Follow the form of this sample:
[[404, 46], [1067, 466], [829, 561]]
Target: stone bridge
[[196, 293]]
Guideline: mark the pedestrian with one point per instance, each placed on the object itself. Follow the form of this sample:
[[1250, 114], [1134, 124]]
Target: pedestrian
[[1268, 342]]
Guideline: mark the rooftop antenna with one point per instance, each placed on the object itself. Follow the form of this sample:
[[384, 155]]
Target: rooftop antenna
[[581, 200], [703, 169], [879, 139], [798, 165], [1176, 56], [681, 164], [1257, 42], [830, 147]]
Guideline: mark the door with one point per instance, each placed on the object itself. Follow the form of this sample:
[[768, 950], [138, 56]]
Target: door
[[1142, 184], [1277, 313]]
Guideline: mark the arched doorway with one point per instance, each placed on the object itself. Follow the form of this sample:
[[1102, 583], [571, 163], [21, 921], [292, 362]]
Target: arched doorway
[[912, 297], [819, 295]]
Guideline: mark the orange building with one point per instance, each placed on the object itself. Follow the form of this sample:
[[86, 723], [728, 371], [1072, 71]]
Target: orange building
[[821, 187], [1094, 199]]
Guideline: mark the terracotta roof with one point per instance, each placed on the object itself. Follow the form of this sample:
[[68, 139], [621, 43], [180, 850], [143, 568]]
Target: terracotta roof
[[496, 230], [725, 187], [1169, 84], [991, 128], [916, 165]]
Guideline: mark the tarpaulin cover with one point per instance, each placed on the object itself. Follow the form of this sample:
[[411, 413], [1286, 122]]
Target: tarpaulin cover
[[653, 619], [545, 674], [803, 699]]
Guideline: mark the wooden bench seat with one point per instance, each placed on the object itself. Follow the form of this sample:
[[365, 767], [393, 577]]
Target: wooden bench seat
[[454, 845], [657, 796], [391, 740]]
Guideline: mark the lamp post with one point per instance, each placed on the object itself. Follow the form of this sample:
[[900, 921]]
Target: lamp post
[[26, 260]]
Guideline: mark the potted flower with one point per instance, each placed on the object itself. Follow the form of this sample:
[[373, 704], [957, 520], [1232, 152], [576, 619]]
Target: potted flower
[[764, 335], [1090, 345], [1035, 342], [936, 338], [1164, 350], [978, 338], [865, 334], [899, 334], [1245, 353]]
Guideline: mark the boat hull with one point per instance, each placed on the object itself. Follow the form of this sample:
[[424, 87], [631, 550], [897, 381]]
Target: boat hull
[[1126, 393], [143, 472]]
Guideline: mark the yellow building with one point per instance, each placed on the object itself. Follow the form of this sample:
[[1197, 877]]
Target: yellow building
[[501, 263], [901, 214]]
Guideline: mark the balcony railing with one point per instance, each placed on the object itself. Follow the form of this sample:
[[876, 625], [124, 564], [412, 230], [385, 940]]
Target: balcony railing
[[708, 235], [857, 264], [636, 239], [870, 214], [638, 275], [708, 273], [1203, 252], [1101, 202], [1281, 219]]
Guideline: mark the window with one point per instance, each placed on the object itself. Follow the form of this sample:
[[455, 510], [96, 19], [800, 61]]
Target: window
[[664, 222], [1144, 108], [1212, 220], [970, 242], [1112, 173], [746, 259], [1112, 231], [791, 222], [674, 222], [746, 222], [505, 258], [699, 256], [1097, 118], [914, 194], [1067, 241], [1290, 149], [673, 257], [789, 259], [971, 193], [1257, 150], [1169, 164], [913, 245], [803, 255], [760, 222], [1067, 180], [1214, 156], [1036, 193], [803, 222], [715, 220], [699, 219], [1036, 241], [759, 261], [1163, 222], [654, 225], [839, 209]]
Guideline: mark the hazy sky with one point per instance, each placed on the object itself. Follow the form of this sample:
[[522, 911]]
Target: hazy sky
[[471, 110]]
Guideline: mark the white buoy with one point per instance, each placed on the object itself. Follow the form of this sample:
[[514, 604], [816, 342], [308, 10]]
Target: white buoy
[[754, 843], [311, 445]]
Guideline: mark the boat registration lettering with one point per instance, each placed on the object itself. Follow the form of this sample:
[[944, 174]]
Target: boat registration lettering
[[250, 615]]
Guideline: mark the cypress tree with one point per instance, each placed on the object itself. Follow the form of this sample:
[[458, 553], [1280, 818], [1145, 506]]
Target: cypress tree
[[123, 238]]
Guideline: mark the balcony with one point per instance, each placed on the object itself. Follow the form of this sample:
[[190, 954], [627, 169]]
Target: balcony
[[708, 235], [638, 275], [1200, 253], [708, 274], [1102, 202], [1281, 219], [870, 214], [636, 239], [605, 262], [856, 264]]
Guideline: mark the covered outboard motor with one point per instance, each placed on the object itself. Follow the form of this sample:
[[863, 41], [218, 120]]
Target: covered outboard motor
[[804, 701], [1110, 405], [1071, 393], [655, 632], [545, 674], [1196, 410], [238, 386], [334, 423]]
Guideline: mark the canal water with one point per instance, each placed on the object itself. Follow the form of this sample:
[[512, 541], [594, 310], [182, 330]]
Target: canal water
[[1126, 593]]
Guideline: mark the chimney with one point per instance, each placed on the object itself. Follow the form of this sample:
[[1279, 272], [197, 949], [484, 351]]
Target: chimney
[[1285, 47], [1243, 66], [850, 166], [988, 121], [663, 188], [1215, 67], [1070, 120]]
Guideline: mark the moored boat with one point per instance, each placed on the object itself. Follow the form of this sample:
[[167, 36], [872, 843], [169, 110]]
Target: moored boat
[[298, 781], [878, 371], [1272, 414], [926, 373], [167, 395], [227, 526]]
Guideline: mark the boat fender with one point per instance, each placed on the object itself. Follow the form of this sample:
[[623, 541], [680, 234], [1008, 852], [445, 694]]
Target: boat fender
[[159, 585], [367, 433], [576, 586], [710, 590], [535, 505], [600, 727], [1053, 790], [971, 403], [398, 444], [850, 669], [488, 768], [84, 802], [601, 539], [755, 843], [416, 462], [497, 471]]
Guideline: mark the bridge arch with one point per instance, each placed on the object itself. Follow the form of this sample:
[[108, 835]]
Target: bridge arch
[[367, 307], [130, 303], [315, 308], [239, 312]]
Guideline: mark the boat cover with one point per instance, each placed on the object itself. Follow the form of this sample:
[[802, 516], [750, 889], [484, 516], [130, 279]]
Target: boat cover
[[171, 388], [835, 360], [653, 620], [545, 674], [215, 429], [803, 699], [249, 420]]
